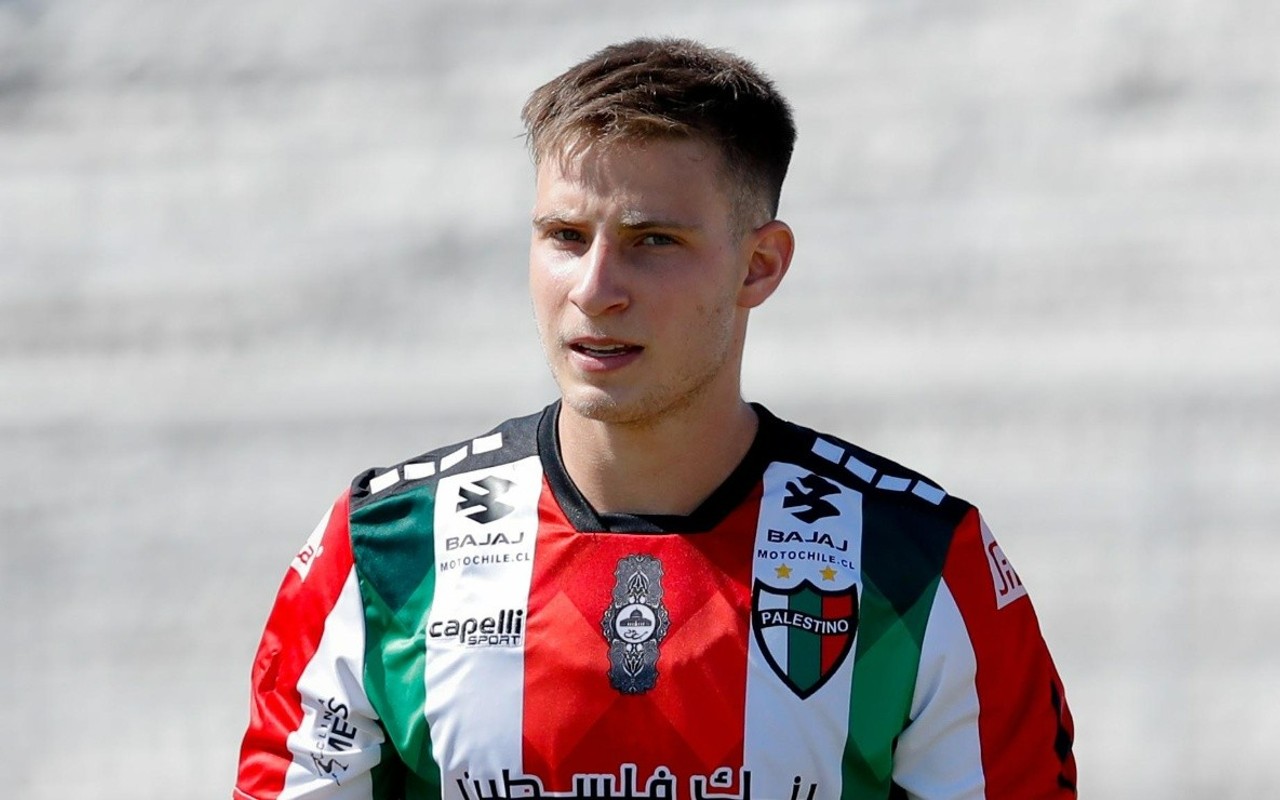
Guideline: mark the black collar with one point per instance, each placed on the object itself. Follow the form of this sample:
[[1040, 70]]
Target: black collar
[[705, 517]]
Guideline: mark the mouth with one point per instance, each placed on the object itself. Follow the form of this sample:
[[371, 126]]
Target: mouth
[[601, 354], [604, 350]]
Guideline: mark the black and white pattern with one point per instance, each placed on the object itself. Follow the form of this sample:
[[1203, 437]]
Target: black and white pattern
[[635, 624]]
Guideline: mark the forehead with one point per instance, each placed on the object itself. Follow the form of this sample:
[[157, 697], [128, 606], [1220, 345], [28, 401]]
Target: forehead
[[680, 172]]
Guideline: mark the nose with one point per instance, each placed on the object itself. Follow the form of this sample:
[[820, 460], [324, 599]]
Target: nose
[[599, 286]]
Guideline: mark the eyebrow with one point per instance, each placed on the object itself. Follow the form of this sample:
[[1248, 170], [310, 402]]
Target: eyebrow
[[636, 220], [631, 220], [549, 220]]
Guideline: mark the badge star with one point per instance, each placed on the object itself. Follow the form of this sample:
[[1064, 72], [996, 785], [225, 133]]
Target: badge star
[[783, 571], [828, 574]]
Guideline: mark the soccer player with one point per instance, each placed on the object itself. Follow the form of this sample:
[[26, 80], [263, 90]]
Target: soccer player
[[652, 588]]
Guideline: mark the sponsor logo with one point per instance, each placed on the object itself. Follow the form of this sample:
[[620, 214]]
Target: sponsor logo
[[504, 630], [483, 560], [805, 633], [335, 735], [815, 537], [634, 624], [302, 561], [1008, 586], [483, 540], [808, 493], [493, 546], [480, 501], [310, 551], [805, 555], [662, 784]]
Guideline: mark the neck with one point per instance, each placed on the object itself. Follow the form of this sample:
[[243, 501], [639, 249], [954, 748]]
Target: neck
[[665, 467]]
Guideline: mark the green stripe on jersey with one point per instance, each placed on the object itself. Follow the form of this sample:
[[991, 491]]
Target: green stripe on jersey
[[904, 547], [884, 677], [395, 563]]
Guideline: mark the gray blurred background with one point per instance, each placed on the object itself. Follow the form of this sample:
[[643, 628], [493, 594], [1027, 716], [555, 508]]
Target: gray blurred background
[[249, 248]]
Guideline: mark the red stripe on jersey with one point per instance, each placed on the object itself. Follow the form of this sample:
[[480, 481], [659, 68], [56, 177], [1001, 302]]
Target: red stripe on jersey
[[834, 646], [691, 722], [289, 642], [1024, 726]]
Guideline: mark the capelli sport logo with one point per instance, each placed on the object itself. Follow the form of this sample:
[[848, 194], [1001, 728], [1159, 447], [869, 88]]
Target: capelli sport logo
[[505, 629], [480, 501]]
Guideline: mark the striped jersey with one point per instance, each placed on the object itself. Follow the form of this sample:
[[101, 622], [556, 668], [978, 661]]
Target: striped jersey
[[827, 624]]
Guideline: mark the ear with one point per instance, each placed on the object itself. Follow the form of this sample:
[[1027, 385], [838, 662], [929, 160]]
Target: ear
[[772, 245]]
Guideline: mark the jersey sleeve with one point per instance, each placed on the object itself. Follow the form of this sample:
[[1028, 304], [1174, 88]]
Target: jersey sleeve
[[312, 732], [989, 717]]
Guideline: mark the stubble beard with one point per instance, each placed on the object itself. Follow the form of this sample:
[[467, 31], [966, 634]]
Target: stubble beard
[[641, 407], [646, 408]]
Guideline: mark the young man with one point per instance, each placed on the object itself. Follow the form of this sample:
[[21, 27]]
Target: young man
[[651, 588]]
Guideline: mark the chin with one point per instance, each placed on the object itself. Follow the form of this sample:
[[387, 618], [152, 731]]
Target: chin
[[631, 409], [600, 406]]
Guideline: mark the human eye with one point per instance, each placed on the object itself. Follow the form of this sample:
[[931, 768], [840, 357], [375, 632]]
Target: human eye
[[657, 239], [566, 235]]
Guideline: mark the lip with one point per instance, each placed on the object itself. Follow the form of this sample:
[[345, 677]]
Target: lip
[[585, 352]]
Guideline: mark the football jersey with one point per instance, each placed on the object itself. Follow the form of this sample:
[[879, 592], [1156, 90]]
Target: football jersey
[[827, 624]]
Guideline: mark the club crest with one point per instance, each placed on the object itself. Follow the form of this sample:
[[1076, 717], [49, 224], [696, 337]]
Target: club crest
[[635, 624], [804, 632]]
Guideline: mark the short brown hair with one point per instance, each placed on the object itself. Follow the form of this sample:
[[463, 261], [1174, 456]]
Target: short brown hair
[[650, 89]]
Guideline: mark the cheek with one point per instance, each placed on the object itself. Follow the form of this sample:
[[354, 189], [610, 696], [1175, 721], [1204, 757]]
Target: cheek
[[717, 321], [550, 274], [546, 292], [541, 280], [543, 312]]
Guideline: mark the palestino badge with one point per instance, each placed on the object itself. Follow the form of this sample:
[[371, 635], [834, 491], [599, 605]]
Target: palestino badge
[[804, 632], [635, 623]]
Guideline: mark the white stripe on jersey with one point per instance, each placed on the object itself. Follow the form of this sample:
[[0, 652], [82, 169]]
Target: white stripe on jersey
[[939, 754], [486, 526], [788, 737], [338, 735]]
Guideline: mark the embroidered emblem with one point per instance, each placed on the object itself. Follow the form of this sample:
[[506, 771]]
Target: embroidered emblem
[[804, 632], [635, 624]]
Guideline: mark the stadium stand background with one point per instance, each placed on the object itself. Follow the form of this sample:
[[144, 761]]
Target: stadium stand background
[[248, 249]]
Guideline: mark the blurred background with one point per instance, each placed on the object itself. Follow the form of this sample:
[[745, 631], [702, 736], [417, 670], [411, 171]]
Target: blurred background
[[249, 249]]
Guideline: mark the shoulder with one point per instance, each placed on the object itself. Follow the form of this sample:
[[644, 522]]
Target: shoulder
[[511, 441], [913, 536], [906, 523], [878, 478], [393, 513]]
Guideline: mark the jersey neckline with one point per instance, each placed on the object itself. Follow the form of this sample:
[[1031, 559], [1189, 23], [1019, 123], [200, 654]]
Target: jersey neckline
[[726, 497]]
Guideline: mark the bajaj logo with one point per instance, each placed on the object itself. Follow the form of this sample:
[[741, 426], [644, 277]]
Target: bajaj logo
[[479, 501], [808, 492]]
